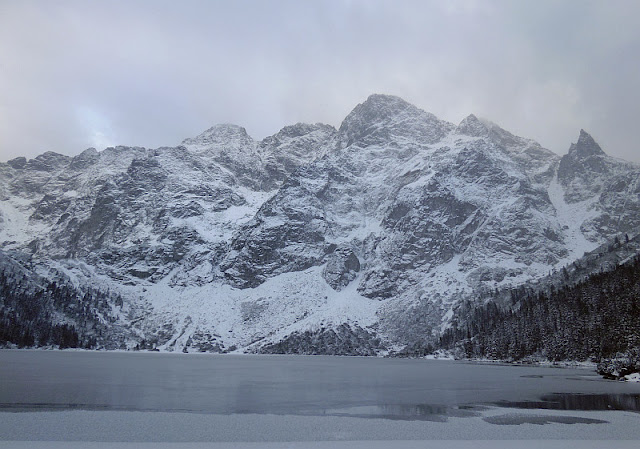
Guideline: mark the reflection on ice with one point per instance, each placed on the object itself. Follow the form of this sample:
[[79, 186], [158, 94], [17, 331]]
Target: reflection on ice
[[517, 419], [422, 412], [568, 401]]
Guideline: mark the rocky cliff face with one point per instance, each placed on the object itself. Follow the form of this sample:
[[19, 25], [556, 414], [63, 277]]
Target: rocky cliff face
[[379, 226], [607, 187]]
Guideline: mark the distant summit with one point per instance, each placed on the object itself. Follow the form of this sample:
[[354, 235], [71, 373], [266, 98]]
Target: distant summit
[[219, 136], [472, 126], [586, 146], [383, 115]]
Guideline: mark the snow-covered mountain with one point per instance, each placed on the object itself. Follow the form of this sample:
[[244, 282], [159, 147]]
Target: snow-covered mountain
[[361, 237]]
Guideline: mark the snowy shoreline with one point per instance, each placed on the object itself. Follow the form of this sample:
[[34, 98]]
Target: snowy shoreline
[[494, 423]]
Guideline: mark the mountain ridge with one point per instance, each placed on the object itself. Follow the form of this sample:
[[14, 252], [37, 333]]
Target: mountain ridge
[[382, 225]]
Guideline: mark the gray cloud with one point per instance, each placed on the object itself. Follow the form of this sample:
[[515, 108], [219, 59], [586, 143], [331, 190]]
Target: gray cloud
[[75, 74]]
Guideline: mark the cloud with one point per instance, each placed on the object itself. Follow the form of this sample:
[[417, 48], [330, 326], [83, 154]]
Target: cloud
[[150, 73]]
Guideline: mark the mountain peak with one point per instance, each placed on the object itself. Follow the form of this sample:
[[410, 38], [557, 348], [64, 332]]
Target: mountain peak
[[18, 163], [220, 131], [378, 100], [222, 135], [300, 129], [381, 116], [378, 108], [48, 161], [586, 146], [472, 126]]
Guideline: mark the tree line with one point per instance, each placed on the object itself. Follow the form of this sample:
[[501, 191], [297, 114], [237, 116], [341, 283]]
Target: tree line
[[594, 319], [54, 314]]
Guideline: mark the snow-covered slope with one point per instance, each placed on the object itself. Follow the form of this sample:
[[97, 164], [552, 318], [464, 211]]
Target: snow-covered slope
[[226, 243]]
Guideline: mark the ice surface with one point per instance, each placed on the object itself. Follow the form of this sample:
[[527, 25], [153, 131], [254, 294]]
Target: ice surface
[[249, 431]]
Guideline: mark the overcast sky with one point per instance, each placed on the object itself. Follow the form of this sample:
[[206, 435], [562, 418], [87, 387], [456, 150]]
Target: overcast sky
[[76, 74]]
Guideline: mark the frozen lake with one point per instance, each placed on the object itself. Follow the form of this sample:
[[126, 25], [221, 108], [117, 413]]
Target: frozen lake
[[379, 395], [229, 384]]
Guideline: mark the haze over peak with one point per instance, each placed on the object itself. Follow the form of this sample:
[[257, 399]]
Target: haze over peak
[[472, 126]]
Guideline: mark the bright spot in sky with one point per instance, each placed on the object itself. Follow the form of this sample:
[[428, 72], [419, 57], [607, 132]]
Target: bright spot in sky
[[97, 127]]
